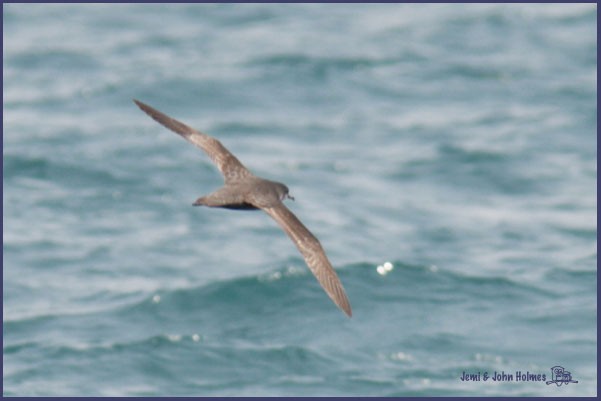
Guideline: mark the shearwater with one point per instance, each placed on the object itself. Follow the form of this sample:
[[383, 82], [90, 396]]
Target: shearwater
[[244, 190]]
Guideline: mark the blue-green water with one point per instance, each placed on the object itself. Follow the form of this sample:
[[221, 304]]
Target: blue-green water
[[456, 142]]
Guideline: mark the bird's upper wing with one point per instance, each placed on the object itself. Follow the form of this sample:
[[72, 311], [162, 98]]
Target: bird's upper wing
[[228, 164], [313, 253]]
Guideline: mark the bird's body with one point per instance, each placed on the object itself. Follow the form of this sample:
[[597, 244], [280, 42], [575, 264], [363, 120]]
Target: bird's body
[[251, 193], [243, 190]]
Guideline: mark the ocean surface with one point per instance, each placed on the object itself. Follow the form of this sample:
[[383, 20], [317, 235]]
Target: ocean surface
[[444, 155]]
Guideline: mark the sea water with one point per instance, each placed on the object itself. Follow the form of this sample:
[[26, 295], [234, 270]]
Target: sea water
[[444, 155]]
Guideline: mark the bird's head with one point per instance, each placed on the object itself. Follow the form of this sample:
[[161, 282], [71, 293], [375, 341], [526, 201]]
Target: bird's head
[[282, 191]]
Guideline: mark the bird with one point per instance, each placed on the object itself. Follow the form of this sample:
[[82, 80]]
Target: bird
[[243, 190]]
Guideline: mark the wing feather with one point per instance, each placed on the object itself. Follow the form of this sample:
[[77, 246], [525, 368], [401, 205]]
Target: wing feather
[[229, 166], [313, 253]]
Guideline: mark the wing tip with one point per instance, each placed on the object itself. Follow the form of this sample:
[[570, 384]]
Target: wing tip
[[349, 312], [340, 299], [144, 107], [345, 306]]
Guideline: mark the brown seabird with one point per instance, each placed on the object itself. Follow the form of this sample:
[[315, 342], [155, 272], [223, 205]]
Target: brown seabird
[[244, 190]]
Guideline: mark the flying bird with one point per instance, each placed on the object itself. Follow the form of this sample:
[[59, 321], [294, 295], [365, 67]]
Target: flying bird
[[244, 190]]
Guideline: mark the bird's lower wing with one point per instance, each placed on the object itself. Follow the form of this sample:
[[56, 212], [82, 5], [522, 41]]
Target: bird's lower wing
[[313, 253], [226, 162]]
